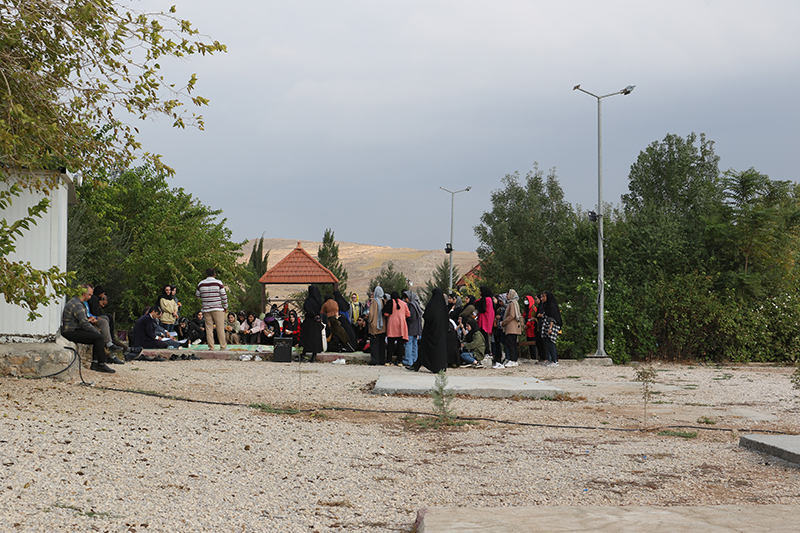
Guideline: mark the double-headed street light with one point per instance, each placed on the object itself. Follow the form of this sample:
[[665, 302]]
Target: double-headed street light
[[601, 352], [449, 247]]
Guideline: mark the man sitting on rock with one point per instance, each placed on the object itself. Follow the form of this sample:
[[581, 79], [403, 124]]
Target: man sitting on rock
[[78, 327]]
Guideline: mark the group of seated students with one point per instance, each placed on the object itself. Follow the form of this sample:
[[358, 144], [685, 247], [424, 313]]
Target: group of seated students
[[246, 327]]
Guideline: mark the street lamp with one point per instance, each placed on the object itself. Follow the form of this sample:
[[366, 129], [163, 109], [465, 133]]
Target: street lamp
[[601, 352], [449, 248]]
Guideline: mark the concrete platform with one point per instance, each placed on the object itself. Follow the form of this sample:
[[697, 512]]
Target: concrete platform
[[705, 519], [234, 352], [498, 386], [786, 447]]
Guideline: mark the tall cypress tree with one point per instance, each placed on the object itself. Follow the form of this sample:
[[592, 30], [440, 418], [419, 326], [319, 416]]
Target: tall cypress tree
[[328, 256]]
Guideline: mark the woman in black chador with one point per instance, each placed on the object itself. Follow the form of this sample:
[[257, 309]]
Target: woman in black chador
[[433, 345], [311, 330]]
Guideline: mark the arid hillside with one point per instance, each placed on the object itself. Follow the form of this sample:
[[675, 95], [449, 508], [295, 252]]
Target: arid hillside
[[363, 262]]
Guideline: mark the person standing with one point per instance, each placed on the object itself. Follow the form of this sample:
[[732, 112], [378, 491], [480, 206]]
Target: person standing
[[512, 326], [312, 327], [169, 308], [212, 294], [433, 344], [550, 317], [377, 328], [76, 326], [485, 309], [414, 327], [397, 314], [355, 308]]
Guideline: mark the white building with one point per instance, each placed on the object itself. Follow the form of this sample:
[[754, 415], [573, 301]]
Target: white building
[[44, 245]]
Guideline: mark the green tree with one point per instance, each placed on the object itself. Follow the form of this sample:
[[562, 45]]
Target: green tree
[[389, 279], [145, 236], [68, 71], [440, 279], [521, 237], [328, 256]]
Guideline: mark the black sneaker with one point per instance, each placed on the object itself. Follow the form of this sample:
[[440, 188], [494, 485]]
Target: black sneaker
[[114, 360], [114, 348], [102, 367], [174, 357], [192, 357], [157, 359]]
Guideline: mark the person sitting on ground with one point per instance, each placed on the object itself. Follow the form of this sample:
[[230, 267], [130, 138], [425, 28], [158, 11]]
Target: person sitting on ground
[[274, 312], [272, 329], [197, 328], [163, 335], [331, 310], [473, 347], [250, 329], [362, 334], [232, 329], [76, 326], [291, 327], [144, 331]]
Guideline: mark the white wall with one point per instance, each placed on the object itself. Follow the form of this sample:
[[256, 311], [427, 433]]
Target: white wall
[[44, 245]]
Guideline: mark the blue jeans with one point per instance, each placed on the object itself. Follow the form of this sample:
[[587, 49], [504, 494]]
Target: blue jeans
[[412, 347], [467, 357]]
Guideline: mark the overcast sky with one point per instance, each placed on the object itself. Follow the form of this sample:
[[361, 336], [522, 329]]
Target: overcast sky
[[351, 114]]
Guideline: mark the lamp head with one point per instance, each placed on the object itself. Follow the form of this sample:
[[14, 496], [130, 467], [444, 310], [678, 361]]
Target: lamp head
[[468, 188], [628, 90]]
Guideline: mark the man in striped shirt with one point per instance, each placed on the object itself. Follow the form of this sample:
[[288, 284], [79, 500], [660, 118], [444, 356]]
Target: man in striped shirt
[[215, 302]]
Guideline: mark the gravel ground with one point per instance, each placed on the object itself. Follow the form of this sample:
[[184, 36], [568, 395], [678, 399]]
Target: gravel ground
[[76, 458]]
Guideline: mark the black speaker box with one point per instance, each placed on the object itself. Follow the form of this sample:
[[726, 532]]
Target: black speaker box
[[283, 350]]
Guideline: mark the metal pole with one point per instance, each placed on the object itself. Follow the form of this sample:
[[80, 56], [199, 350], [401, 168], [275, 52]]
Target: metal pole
[[601, 288], [452, 206], [601, 352]]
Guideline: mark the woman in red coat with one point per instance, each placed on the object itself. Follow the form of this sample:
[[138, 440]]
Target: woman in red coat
[[396, 311]]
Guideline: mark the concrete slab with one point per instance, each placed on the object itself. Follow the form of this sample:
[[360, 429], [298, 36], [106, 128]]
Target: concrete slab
[[482, 386], [786, 447], [705, 519]]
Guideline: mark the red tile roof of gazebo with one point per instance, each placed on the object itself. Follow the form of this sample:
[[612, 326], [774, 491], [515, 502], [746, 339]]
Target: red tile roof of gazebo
[[298, 268]]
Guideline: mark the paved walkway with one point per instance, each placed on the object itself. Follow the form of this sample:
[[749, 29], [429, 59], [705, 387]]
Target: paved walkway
[[700, 519], [496, 386]]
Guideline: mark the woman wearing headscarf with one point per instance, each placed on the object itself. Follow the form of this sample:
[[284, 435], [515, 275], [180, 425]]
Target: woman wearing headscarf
[[529, 312], [499, 302], [485, 320], [414, 327], [433, 344], [311, 330], [550, 318], [377, 329], [291, 327], [397, 312], [250, 329], [355, 308], [344, 307], [512, 327], [169, 308], [473, 346]]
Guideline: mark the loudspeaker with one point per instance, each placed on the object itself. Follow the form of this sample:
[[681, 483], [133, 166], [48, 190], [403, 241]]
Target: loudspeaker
[[283, 350]]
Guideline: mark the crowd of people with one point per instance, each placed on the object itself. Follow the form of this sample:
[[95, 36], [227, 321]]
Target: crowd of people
[[395, 330], [481, 332]]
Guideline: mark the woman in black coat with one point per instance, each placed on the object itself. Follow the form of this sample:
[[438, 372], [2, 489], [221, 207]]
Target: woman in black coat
[[433, 344], [311, 330]]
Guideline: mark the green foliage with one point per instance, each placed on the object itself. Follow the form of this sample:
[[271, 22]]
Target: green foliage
[[146, 235], [442, 398], [440, 279], [328, 256], [389, 279], [249, 295], [678, 433], [521, 238], [68, 70]]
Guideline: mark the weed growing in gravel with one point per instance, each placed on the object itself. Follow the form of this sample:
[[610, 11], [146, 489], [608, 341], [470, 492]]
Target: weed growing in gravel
[[647, 376], [274, 410], [435, 422], [706, 420], [678, 433], [442, 398]]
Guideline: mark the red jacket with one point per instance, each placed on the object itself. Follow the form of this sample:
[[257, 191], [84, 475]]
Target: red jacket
[[530, 323]]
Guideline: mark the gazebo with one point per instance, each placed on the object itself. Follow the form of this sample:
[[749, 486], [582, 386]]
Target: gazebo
[[299, 268]]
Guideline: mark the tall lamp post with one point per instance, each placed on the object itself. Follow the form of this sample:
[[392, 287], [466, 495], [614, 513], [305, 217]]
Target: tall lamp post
[[449, 248], [601, 351]]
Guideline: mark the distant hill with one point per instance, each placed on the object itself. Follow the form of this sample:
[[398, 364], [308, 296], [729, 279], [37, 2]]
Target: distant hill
[[364, 261]]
